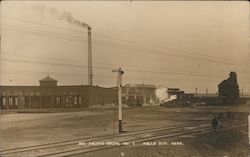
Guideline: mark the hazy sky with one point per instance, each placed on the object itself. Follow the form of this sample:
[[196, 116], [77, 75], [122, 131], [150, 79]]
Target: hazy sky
[[186, 45]]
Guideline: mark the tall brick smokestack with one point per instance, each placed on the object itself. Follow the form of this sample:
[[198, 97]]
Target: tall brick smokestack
[[90, 71], [71, 19]]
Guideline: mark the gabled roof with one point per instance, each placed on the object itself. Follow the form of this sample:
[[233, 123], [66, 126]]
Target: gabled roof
[[48, 79]]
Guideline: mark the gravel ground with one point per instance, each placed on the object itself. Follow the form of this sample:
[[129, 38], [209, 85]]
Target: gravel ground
[[19, 130], [226, 143]]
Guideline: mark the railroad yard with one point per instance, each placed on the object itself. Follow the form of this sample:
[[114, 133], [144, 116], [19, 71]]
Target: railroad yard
[[124, 79], [94, 132]]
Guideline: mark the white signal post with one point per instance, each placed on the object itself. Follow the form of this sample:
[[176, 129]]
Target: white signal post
[[248, 117], [119, 86], [248, 123]]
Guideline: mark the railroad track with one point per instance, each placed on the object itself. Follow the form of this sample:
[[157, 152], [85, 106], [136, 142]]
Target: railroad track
[[140, 140], [76, 141], [72, 147]]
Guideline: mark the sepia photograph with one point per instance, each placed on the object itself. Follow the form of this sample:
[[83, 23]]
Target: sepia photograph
[[124, 78]]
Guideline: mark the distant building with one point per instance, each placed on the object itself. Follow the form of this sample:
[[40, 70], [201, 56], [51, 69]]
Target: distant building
[[138, 94], [175, 92], [49, 95], [229, 88]]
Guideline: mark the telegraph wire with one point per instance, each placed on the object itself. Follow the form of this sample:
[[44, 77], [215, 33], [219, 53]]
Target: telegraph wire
[[124, 40], [136, 49], [38, 23], [40, 57], [127, 69], [110, 65], [46, 73], [108, 45], [105, 68], [176, 55], [105, 64], [40, 32], [39, 73], [96, 80], [154, 52], [98, 42], [44, 63], [98, 63]]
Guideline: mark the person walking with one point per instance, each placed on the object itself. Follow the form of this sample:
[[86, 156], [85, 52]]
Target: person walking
[[214, 124]]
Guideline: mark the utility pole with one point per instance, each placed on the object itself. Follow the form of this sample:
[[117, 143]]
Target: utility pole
[[119, 88], [0, 55], [206, 91], [196, 92], [248, 128]]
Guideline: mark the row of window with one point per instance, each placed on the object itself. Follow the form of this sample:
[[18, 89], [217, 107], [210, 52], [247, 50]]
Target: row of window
[[32, 93], [10, 101], [70, 99], [14, 101]]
